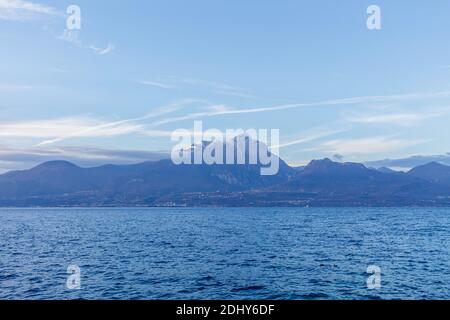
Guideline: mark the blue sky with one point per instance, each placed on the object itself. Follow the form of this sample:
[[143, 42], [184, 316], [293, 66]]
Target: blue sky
[[137, 70]]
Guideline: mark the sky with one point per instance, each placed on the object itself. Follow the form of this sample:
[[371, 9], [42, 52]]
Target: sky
[[115, 90]]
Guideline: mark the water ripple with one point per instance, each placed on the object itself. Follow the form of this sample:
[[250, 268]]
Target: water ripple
[[265, 253]]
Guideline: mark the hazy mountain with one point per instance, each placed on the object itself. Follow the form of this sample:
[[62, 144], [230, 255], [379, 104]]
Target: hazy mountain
[[385, 170], [432, 172], [19, 159], [161, 183], [63, 183], [328, 179], [410, 162], [328, 183]]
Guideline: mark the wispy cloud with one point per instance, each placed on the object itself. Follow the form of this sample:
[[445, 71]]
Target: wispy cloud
[[310, 136], [231, 91], [399, 119], [190, 116], [74, 37], [15, 88], [212, 110], [70, 36], [106, 128], [21, 10], [18, 10], [336, 102], [402, 119], [217, 87], [173, 82], [62, 127], [365, 146], [391, 98], [156, 84], [102, 51]]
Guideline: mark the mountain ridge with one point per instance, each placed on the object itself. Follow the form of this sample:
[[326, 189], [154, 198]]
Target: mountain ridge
[[161, 183]]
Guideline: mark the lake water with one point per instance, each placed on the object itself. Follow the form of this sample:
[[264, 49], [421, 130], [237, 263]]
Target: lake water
[[267, 253]]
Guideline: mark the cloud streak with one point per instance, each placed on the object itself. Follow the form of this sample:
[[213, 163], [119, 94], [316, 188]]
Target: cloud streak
[[225, 110], [156, 84], [49, 128], [365, 146], [73, 37], [103, 51], [107, 128], [210, 110], [402, 119], [20, 10], [214, 87], [311, 136]]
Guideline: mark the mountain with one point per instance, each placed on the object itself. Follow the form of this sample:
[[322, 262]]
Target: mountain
[[432, 172], [326, 176], [410, 162], [328, 183], [162, 183], [386, 170], [63, 183], [325, 181]]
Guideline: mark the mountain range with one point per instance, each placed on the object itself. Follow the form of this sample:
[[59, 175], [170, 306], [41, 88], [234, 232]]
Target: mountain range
[[162, 183]]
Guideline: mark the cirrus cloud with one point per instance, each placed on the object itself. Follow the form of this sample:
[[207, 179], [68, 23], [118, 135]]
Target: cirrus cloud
[[18, 10], [365, 146]]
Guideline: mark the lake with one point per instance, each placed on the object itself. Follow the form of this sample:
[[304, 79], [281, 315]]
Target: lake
[[225, 253]]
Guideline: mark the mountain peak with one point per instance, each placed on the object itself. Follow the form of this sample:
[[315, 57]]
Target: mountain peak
[[57, 163], [386, 170], [431, 166], [327, 166], [323, 182], [325, 161], [433, 171], [434, 164]]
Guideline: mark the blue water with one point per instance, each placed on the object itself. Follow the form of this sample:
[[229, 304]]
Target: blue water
[[266, 253]]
